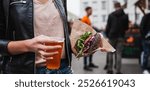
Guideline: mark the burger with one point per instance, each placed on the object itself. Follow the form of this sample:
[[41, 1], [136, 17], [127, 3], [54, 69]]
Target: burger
[[88, 43]]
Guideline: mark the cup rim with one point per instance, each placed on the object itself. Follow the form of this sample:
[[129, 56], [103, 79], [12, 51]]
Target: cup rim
[[58, 39]]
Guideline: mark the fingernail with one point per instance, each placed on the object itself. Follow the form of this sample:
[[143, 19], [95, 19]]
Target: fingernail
[[56, 52], [51, 58], [60, 46]]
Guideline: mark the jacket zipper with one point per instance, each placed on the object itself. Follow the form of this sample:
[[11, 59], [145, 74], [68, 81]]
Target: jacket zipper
[[17, 2]]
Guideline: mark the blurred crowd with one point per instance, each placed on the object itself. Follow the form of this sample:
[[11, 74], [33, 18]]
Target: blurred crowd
[[129, 40]]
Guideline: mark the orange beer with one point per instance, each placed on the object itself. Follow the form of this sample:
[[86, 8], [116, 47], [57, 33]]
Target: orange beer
[[55, 62]]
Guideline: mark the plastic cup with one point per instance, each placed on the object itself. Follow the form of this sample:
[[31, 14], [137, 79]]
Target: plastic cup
[[55, 62]]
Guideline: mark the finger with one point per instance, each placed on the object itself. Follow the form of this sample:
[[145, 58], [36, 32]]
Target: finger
[[101, 43], [47, 54], [103, 50], [40, 61], [49, 48], [49, 58], [41, 65]]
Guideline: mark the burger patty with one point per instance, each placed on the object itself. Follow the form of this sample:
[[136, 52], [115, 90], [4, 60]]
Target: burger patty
[[92, 43]]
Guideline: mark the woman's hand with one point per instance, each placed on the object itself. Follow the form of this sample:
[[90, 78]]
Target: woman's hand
[[46, 52], [36, 45], [103, 50]]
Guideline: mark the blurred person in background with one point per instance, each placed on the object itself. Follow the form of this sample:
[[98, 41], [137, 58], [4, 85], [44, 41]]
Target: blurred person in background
[[87, 20], [145, 33], [117, 25]]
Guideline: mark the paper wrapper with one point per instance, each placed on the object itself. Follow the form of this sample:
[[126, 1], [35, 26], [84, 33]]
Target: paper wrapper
[[78, 29], [106, 45]]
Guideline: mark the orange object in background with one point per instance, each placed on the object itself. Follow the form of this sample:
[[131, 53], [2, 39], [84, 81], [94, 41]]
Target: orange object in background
[[130, 40], [86, 20], [55, 62]]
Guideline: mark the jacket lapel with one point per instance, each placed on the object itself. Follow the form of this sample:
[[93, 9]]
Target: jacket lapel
[[59, 5]]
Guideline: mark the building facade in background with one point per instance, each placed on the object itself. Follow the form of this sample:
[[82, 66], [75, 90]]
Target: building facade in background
[[102, 8]]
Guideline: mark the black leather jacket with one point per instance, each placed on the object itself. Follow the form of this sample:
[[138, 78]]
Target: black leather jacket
[[16, 23], [117, 24]]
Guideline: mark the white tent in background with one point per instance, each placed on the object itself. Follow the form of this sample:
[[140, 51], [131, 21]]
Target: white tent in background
[[72, 16], [131, 3]]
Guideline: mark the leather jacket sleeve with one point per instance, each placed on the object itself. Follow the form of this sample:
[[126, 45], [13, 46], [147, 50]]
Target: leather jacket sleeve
[[3, 41]]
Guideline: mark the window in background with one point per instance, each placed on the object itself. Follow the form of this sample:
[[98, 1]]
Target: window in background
[[103, 18], [85, 3], [94, 5], [95, 19], [104, 5], [115, 1], [95, 16], [94, 2]]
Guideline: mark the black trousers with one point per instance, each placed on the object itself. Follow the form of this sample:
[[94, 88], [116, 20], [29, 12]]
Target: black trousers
[[86, 60]]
